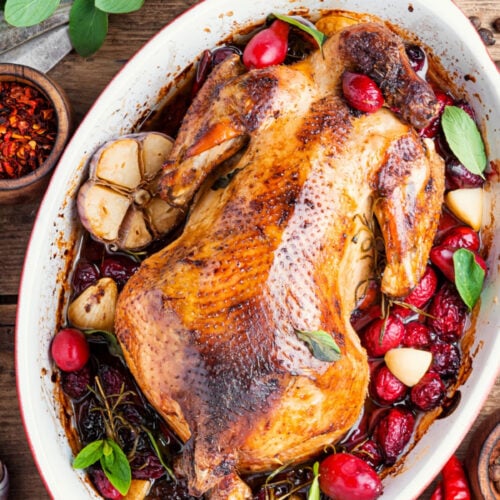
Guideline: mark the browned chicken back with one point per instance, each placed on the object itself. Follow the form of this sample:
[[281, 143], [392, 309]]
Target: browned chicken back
[[209, 324]]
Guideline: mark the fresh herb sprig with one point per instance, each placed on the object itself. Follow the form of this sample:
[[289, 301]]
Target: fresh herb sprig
[[88, 19]]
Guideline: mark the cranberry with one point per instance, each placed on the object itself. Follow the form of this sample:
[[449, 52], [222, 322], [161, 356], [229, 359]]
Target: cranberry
[[416, 56], [467, 108], [458, 176], [361, 92], [431, 130], [75, 384], [84, 275], [428, 392], [385, 388], [344, 476], [383, 334], [70, 349], [447, 313], [101, 482], [462, 237], [447, 222], [420, 295], [222, 53], [268, 47], [112, 380], [146, 465], [362, 317], [119, 268], [393, 432], [417, 335], [442, 257], [445, 359], [369, 451]]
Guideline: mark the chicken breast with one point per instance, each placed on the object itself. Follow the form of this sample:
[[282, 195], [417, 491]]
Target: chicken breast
[[282, 181]]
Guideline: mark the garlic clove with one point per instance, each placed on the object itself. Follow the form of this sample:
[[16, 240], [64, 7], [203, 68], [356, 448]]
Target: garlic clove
[[155, 151], [94, 308], [467, 205], [408, 364]]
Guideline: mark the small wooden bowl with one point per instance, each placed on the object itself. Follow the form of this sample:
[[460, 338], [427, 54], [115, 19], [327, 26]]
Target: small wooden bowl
[[483, 453], [30, 185]]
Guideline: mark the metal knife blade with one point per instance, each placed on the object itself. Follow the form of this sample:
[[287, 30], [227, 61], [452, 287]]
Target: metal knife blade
[[42, 52]]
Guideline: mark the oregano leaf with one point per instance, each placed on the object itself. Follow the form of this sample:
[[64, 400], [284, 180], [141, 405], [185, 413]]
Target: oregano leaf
[[22, 13], [317, 35], [88, 27], [119, 6], [116, 467], [469, 276], [89, 455], [314, 491], [321, 344], [464, 139]]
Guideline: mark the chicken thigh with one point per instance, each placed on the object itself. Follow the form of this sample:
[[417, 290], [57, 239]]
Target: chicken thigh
[[281, 180]]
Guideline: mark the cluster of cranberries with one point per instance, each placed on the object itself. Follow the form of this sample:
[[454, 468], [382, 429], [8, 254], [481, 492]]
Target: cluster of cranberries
[[431, 318]]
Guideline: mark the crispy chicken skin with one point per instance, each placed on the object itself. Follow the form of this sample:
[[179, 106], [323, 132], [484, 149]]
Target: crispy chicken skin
[[208, 324]]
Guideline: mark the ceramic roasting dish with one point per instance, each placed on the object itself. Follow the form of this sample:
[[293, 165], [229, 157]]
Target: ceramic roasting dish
[[126, 101]]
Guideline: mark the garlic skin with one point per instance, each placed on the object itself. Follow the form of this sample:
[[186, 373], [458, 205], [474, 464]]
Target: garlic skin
[[94, 308]]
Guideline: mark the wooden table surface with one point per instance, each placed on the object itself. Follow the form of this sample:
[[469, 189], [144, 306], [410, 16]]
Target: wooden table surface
[[83, 80]]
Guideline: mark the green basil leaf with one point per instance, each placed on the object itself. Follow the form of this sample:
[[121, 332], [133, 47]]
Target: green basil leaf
[[89, 455], [321, 344], [116, 467], [23, 13], [464, 139], [318, 36], [314, 492], [469, 276], [119, 6], [88, 27]]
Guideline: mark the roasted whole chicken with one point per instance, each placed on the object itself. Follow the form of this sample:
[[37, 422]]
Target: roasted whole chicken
[[209, 323]]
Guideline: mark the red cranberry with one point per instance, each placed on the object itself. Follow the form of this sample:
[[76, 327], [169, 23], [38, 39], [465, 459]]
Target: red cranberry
[[428, 392], [445, 359], [361, 92], [444, 100], [447, 222], [462, 237], [385, 388], [119, 268], [447, 313], [344, 476], [420, 295], [417, 335], [416, 56], [393, 432], [101, 482], [383, 334], [268, 47], [442, 257], [84, 275], [369, 451], [70, 349], [146, 465], [75, 384], [361, 318], [457, 176]]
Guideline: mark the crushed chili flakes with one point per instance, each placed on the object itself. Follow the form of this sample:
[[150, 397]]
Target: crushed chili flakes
[[28, 129]]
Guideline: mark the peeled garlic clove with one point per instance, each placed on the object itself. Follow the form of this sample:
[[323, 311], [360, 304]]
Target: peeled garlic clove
[[134, 233], [467, 205], [161, 215], [138, 490], [94, 308], [408, 364]]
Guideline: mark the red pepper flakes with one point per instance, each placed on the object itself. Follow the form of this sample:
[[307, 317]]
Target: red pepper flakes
[[28, 129]]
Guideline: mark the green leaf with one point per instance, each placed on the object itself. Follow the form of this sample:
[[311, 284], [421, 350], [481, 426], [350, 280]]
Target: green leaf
[[22, 13], [89, 455], [318, 36], [469, 276], [464, 139], [314, 492], [119, 6], [88, 27], [116, 467], [321, 344]]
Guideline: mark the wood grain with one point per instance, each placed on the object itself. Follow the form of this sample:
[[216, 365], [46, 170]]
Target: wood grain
[[83, 80]]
